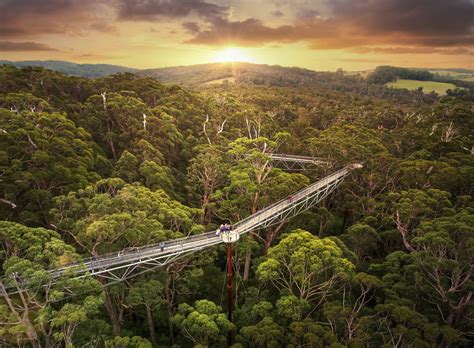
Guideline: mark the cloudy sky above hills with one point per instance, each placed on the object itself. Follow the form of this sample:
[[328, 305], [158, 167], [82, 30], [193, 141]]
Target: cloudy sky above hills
[[320, 34]]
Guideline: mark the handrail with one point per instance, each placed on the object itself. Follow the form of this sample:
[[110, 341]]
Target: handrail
[[277, 211], [204, 236]]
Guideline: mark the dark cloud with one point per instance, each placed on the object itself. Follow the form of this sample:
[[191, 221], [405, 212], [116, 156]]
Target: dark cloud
[[277, 13], [9, 46], [422, 18], [307, 14], [151, 10], [191, 27], [252, 32], [34, 17], [441, 24], [103, 27], [435, 23]]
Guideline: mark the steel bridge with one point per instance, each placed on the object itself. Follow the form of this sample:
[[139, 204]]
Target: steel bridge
[[294, 162], [118, 266]]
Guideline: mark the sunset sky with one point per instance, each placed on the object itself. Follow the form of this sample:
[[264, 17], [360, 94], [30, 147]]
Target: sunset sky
[[319, 34]]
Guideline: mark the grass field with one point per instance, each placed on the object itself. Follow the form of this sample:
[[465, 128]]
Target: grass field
[[428, 86], [470, 79], [219, 81], [453, 74]]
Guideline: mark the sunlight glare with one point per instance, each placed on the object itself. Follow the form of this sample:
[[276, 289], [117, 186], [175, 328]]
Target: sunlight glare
[[233, 54]]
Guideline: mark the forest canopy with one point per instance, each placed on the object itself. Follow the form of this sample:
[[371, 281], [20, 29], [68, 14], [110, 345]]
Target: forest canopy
[[95, 166]]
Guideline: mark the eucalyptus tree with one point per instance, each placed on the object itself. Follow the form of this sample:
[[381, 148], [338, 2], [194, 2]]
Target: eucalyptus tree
[[33, 308], [204, 323], [110, 216], [307, 268], [42, 154]]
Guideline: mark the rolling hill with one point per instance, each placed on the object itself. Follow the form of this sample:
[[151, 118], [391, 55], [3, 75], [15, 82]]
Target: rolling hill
[[83, 70]]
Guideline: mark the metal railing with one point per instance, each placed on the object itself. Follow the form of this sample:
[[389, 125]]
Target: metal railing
[[158, 255]]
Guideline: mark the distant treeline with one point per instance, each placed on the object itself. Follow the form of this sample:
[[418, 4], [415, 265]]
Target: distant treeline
[[385, 73]]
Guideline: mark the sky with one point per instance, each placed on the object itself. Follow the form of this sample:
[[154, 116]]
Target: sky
[[320, 34]]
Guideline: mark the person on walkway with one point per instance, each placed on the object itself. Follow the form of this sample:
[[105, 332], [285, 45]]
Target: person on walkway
[[162, 246]]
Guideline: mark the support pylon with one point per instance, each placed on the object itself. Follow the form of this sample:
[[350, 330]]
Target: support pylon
[[229, 238], [229, 289]]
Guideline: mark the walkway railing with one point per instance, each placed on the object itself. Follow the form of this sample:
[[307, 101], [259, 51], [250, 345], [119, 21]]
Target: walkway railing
[[156, 255]]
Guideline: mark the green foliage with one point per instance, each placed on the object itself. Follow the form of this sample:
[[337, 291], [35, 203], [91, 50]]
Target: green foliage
[[265, 333], [112, 215], [42, 155], [204, 324], [306, 266], [128, 342], [77, 158]]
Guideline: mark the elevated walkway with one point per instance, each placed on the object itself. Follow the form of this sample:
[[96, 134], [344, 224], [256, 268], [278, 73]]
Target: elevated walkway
[[120, 265]]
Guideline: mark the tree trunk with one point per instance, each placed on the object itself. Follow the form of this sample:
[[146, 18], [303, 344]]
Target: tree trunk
[[344, 221], [111, 142], [113, 315], [237, 274], [169, 303], [270, 237], [248, 256], [404, 233], [151, 325]]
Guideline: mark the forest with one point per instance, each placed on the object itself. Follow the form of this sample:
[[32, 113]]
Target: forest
[[96, 166]]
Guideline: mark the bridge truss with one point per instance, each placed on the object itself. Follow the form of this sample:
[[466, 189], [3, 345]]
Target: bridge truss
[[118, 266]]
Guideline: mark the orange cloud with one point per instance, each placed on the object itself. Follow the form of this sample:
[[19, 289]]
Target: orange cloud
[[24, 46], [436, 23], [410, 50]]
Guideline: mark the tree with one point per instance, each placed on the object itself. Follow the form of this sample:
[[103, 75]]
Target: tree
[[253, 182], [206, 173], [444, 266], [350, 319], [305, 266], [364, 239], [42, 155], [111, 216], [265, 333], [410, 207], [149, 295], [204, 323], [29, 310]]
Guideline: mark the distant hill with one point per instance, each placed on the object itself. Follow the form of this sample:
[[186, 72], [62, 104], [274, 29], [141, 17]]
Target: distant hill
[[259, 74], [84, 70]]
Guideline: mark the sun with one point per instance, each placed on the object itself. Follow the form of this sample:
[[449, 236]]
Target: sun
[[233, 54]]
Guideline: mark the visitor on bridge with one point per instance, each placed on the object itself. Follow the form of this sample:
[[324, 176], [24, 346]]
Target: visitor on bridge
[[223, 228], [162, 246]]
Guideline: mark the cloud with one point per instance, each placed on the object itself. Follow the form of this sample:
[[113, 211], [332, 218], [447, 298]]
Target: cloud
[[191, 27], [150, 10], [9, 46], [306, 14], [361, 60], [20, 18], [435, 23], [347, 24], [422, 17], [252, 32], [103, 27], [93, 56], [410, 50], [277, 13]]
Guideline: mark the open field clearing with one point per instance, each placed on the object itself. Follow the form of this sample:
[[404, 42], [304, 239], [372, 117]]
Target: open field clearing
[[219, 81], [428, 86]]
